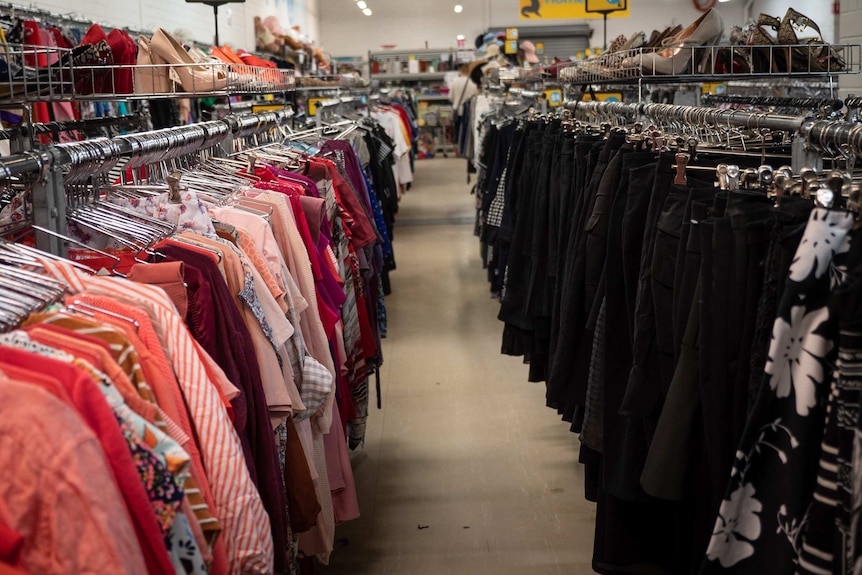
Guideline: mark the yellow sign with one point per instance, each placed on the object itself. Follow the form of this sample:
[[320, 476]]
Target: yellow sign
[[605, 5], [603, 96], [540, 48], [257, 108], [566, 9], [713, 88], [511, 33], [311, 108], [511, 46], [554, 97]]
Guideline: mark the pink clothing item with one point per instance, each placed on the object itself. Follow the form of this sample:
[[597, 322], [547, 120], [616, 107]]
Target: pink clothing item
[[161, 379], [341, 483], [168, 276], [91, 405], [58, 489], [239, 507]]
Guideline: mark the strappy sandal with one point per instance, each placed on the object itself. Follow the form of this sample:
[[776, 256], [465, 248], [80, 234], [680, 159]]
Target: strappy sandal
[[817, 56], [764, 34]]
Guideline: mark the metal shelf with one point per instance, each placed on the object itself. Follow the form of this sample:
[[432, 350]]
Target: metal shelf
[[38, 74], [421, 77], [765, 63], [404, 55]]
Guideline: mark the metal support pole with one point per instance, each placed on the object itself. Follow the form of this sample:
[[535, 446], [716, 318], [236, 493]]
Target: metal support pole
[[49, 207]]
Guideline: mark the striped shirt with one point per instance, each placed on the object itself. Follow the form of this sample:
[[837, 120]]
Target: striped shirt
[[244, 520]]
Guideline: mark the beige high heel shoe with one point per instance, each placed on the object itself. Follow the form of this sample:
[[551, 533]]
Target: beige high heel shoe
[[192, 76], [151, 75], [678, 54]]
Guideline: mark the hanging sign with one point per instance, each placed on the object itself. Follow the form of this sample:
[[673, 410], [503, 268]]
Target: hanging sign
[[511, 46], [565, 9], [540, 48], [511, 33], [311, 107]]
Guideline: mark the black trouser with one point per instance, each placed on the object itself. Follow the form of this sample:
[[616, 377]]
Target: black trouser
[[562, 393]]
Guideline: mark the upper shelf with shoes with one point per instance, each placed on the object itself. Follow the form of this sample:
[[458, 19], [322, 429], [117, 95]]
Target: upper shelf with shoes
[[107, 67], [769, 47]]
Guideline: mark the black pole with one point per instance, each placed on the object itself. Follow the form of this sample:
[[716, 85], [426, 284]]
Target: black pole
[[215, 15]]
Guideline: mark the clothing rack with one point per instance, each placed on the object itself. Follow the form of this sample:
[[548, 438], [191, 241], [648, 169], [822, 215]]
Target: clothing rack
[[44, 169], [779, 102], [812, 136], [130, 120]]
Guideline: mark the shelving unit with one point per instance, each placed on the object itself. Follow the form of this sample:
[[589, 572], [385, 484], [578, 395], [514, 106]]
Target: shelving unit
[[393, 65], [30, 80], [766, 70], [763, 62]]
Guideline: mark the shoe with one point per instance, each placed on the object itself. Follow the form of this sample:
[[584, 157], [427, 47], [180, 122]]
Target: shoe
[[617, 43], [193, 77], [679, 52], [723, 60], [636, 40], [656, 38], [763, 36], [818, 56], [152, 76]]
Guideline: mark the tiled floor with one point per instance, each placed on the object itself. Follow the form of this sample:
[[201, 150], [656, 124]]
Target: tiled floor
[[465, 471]]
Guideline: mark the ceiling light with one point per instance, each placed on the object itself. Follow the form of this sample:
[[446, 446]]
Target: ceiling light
[[367, 11], [458, 8], [362, 5]]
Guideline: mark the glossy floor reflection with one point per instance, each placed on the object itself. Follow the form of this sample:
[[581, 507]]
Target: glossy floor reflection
[[464, 471]]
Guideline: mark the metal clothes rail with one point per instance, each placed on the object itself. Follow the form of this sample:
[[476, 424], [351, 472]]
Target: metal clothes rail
[[813, 137], [44, 168]]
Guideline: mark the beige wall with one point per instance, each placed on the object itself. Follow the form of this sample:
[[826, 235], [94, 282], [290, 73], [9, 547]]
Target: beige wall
[[410, 23], [236, 21]]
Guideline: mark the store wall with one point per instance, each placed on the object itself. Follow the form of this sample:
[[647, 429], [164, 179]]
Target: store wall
[[645, 15], [346, 32], [236, 21], [407, 24], [850, 32]]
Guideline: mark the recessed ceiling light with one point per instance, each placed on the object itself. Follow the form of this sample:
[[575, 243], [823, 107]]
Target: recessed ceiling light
[[362, 5], [367, 11], [458, 8]]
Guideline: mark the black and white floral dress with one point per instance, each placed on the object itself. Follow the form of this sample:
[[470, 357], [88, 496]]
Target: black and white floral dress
[[763, 516]]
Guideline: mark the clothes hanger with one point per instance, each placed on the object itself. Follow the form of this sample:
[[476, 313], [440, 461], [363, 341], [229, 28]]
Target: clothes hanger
[[91, 310], [73, 241]]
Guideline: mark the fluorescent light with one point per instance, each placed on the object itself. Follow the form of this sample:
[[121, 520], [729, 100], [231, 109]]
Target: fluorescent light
[[362, 5], [458, 8], [367, 11]]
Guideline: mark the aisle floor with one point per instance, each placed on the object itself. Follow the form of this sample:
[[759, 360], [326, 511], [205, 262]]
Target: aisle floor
[[464, 470]]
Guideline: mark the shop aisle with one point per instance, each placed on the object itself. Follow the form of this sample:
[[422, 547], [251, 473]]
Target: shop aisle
[[465, 471]]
